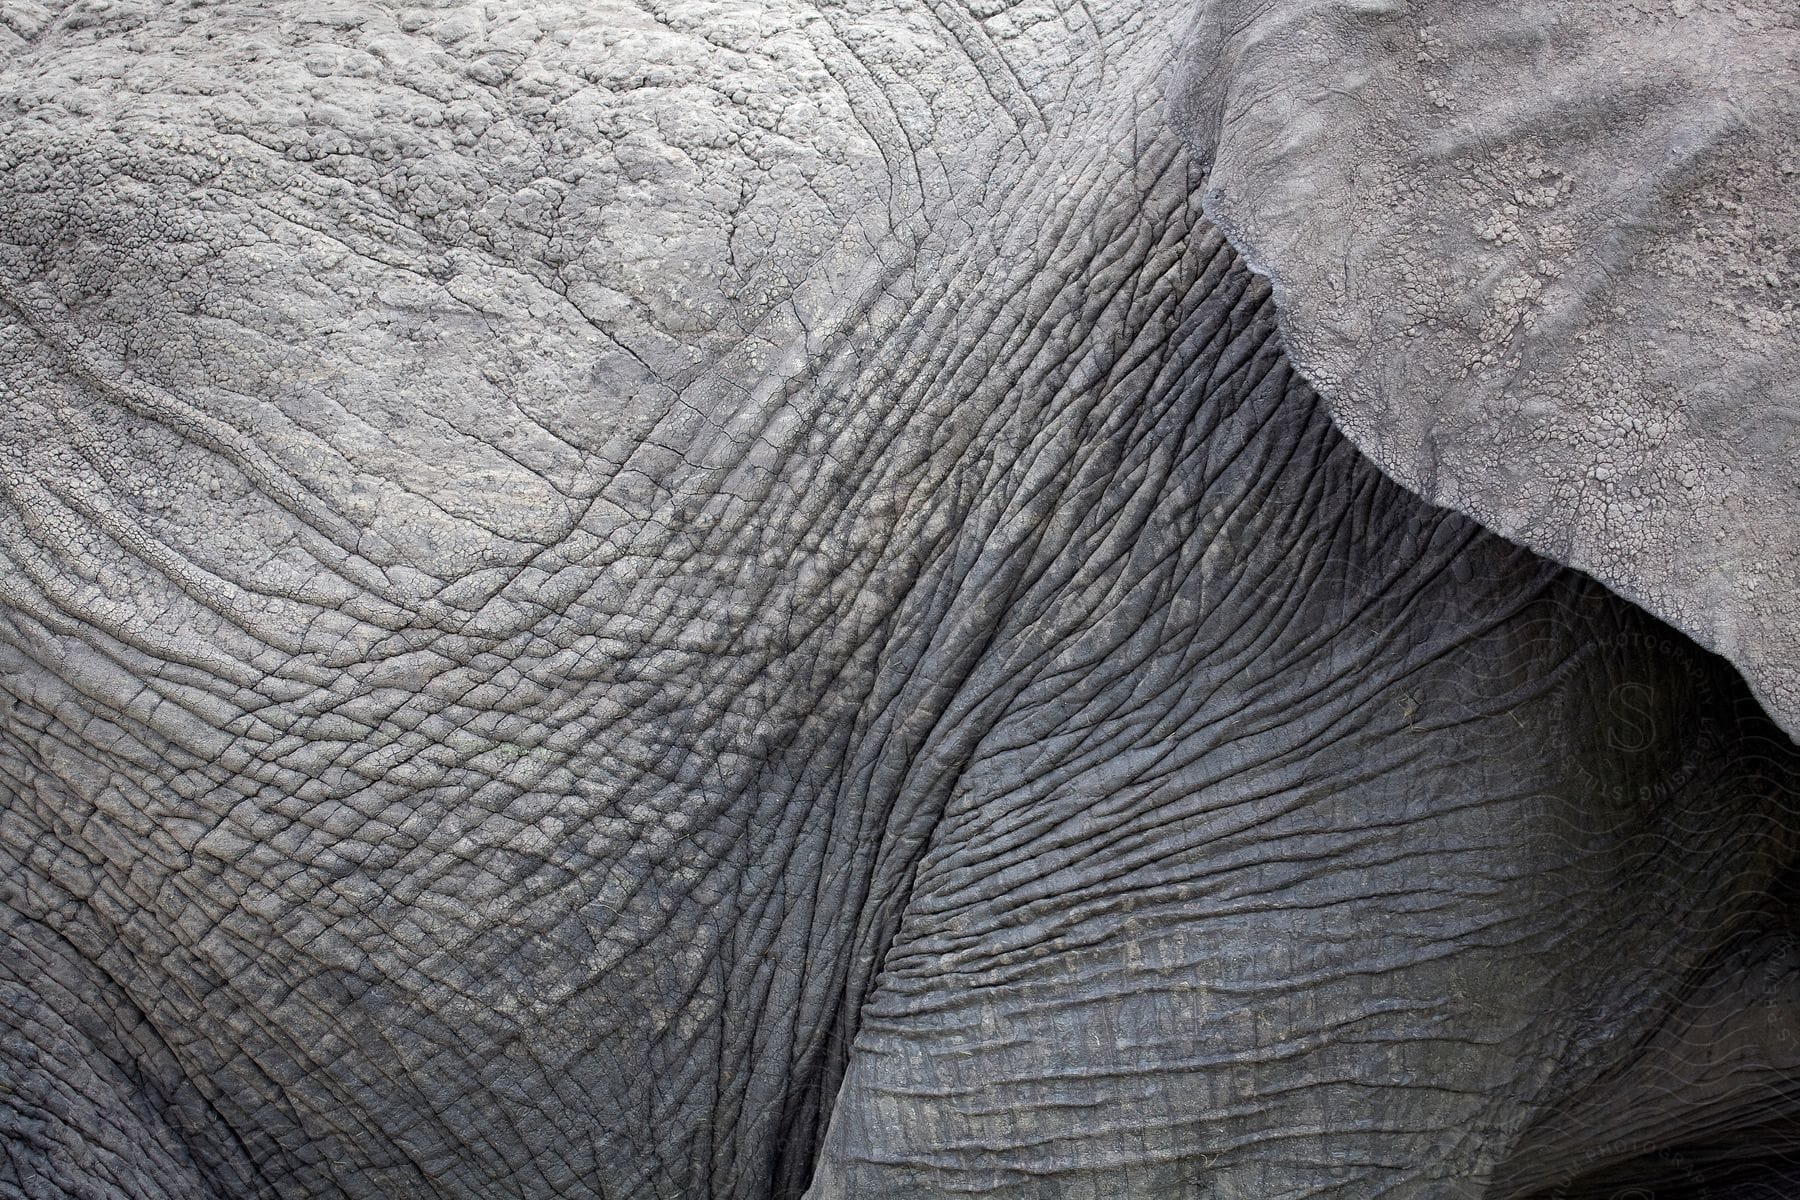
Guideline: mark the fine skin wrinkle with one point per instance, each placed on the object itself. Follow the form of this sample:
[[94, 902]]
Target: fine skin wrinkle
[[670, 600]]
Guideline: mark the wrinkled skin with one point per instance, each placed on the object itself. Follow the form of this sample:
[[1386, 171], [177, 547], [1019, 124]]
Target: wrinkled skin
[[608, 603], [1541, 260]]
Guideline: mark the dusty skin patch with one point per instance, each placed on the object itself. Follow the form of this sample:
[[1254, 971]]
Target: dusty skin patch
[[1543, 263]]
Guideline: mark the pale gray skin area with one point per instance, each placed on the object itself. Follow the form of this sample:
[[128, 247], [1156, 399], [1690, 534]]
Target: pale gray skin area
[[627, 602], [1543, 262]]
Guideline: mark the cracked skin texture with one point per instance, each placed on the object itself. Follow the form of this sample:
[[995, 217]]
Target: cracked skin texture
[[611, 600], [1543, 262]]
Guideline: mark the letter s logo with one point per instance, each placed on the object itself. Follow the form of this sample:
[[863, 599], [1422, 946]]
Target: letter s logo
[[1634, 717]]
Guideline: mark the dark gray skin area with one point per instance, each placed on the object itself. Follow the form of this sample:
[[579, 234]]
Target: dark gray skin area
[[650, 603]]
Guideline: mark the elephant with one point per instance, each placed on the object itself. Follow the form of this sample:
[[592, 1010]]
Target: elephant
[[891, 598]]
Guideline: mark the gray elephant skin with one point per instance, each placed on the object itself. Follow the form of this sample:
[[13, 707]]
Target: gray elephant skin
[[665, 599]]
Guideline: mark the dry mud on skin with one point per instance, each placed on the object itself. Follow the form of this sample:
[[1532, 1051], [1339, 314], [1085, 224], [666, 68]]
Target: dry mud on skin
[[1542, 262]]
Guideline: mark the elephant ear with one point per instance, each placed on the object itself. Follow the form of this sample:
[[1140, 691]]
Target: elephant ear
[[1543, 262]]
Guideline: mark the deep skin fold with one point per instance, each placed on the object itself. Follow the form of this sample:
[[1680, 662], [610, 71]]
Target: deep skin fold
[[1038, 648]]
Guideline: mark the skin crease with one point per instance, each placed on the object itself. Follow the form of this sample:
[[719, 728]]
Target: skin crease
[[614, 601]]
